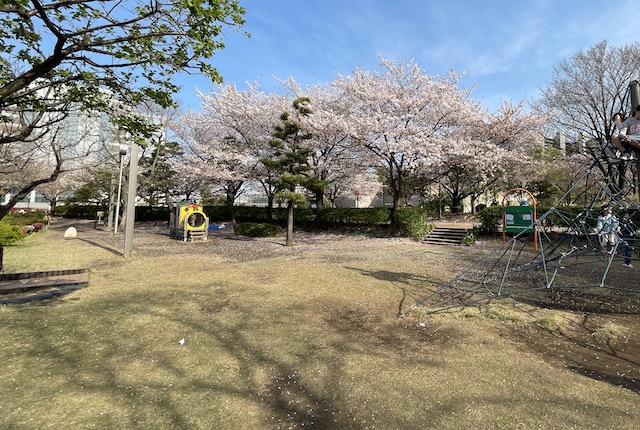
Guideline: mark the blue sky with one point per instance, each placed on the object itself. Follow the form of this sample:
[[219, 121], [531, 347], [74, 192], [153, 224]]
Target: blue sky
[[506, 48]]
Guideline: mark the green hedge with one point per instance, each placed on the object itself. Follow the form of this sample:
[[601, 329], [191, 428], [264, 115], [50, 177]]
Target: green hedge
[[304, 217], [146, 213], [255, 229], [77, 211], [143, 213], [26, 218], [491, 218], [348, 216]]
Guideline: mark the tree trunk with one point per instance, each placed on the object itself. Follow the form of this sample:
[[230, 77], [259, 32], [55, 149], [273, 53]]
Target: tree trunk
[[270, 200], [290, 223], [54, 203], [319, 195], [231, 193], [456, 204]]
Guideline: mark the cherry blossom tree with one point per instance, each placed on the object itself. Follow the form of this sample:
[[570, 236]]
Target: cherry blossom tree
[[490, 149], [356, 186], [333, 158], [404, 118], [226, 141], [558, 173], [66, 183]]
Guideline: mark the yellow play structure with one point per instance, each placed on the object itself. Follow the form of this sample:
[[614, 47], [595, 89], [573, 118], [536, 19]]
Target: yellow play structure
[[188, 222]]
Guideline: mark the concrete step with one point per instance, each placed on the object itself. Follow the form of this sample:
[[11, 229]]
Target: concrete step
[[446, 236]]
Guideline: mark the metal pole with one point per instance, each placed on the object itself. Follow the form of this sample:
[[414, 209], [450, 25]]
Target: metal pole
[[634, 90], [131, 200], [123, 152]]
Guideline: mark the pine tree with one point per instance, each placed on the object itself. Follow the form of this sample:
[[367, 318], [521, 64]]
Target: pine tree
[[290, 161]]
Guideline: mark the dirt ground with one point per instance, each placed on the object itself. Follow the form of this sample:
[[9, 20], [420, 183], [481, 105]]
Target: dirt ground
[[579, 345], [582, 346]]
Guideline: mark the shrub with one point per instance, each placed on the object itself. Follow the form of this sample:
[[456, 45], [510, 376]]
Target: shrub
[[490, 219], [469, 238], [10, 234], [26, 218], [254, 229], [411, 221]]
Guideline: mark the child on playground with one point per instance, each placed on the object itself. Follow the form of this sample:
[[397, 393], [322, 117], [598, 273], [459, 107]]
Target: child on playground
[[607, 226], [627, 233], [623, 149], [628, 136]]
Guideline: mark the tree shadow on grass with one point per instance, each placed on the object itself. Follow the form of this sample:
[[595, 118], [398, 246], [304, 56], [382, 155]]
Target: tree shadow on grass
[[106, 248], [411, 286], [40, 295], [617, 380], [286, 396]]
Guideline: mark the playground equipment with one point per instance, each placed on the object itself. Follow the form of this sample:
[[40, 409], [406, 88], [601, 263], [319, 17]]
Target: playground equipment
[[188, 222], [569, 255], [569, 261]]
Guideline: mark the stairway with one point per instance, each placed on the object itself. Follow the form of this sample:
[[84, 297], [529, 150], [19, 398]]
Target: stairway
[[446, 236]]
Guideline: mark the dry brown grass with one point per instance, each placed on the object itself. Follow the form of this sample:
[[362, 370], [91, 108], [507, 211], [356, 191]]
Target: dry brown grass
[[275, 338]]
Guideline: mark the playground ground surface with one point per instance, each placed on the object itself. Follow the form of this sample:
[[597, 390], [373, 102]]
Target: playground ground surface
[[297, 337]]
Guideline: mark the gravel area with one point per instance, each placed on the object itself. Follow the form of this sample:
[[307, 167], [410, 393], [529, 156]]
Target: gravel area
[[152, 239]]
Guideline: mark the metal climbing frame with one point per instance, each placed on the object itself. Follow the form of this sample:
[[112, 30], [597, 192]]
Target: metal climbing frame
[[569, 255]]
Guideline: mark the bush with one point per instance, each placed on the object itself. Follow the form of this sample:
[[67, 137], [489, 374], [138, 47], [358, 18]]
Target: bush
[[490, 219], [26, 218], [147, 213], [254, 229], [411, 221], [10, 234], [469, 238], [77, 211]]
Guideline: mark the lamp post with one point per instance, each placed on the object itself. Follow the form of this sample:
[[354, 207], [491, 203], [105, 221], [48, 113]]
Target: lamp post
[[131, 200], [123, 152]]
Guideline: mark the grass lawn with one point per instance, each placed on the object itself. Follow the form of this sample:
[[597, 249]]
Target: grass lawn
[[307, 337]]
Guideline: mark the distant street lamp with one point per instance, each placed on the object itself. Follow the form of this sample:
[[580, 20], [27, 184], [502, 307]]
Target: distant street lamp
[[123, 152]]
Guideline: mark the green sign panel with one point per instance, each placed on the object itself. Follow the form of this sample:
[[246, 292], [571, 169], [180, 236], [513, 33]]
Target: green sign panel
[[518, 219]]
